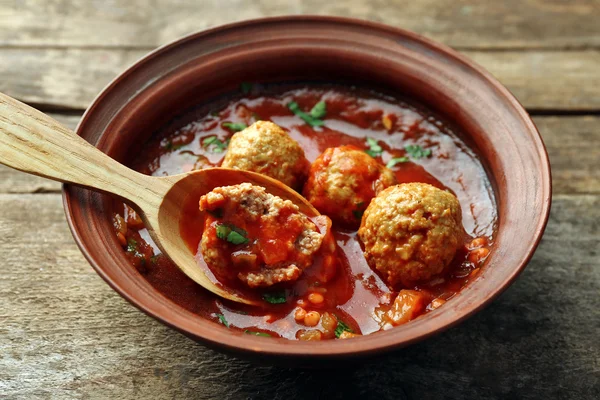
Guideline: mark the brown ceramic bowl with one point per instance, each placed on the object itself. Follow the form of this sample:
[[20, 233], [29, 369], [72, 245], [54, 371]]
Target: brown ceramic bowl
[[201, 66]]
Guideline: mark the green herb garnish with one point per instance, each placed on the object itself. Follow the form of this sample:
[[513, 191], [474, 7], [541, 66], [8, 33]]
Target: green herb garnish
[[257, 333], [275, 297], [309, 119], [359, 211], [246, 87], [214, 143], [236, 238], [416, 151], [132, 245], [319, 110], [223, 231], [232, 234], [168, 145], [223, 320], [396, 160], [358, 214], [342, 327], [375, 149], [234, 127]]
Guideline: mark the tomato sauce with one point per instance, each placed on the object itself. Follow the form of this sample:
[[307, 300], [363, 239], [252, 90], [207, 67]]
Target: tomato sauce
[[356, 296]]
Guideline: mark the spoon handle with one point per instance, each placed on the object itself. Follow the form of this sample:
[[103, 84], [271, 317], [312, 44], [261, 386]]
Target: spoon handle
[[33, 142]]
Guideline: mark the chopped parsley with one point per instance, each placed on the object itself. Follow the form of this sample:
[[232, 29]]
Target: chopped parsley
[[375, 149], [275, 297], [397, 160], [257, 333], [223, 231], [132, 245], [416, 151], [342, 327], [319, 110], [246, 87], [359, 211], [234, 127], [232, 234], [236, 238], [168, 145], [308, 118], [223, 320], [214, 144], [358, 214]]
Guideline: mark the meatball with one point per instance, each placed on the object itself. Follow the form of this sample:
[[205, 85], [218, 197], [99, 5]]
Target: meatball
[[343, 180], [266, 148], [259, 238], [411, 232]]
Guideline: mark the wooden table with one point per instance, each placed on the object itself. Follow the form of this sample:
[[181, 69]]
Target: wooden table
[[65, 334]]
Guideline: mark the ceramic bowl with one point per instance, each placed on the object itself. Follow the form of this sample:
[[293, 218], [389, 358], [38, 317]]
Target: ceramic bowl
[[201, 66]]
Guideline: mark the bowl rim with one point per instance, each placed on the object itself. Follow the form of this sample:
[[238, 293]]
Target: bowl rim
[[360, 346]]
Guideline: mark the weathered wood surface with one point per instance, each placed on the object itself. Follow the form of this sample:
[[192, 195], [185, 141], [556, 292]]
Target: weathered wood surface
[[139, 23], [66, 334], [573, 145], [541, 80]]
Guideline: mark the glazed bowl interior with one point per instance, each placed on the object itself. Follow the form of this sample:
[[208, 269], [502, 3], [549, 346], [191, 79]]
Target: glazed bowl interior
[[200, 68]]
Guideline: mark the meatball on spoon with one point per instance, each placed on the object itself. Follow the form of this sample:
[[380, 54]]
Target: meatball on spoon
[[33, 142]]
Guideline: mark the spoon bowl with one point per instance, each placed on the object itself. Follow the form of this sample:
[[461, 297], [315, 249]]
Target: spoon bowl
[[163, 223], [37, 144]]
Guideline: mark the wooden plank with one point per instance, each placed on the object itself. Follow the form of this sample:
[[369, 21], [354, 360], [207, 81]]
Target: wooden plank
[[541, 80], [466, 24], [68, 78], [66, 334], [573, 145]]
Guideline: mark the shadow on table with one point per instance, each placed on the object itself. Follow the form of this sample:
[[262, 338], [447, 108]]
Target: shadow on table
[[522, 346]]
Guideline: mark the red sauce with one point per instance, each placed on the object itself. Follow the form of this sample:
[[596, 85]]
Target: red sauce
[[356, 295]]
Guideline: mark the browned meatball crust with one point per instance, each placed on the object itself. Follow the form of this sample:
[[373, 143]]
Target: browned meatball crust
[[343, 180], [266, 148], [411, 232]]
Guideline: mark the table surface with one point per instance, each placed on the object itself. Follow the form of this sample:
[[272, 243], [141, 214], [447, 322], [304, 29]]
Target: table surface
[[65, 334]]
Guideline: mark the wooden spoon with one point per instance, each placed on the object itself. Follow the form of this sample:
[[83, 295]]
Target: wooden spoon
[[33, 142]]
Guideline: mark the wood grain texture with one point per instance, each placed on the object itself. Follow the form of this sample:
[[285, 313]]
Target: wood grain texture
[[66, 334], [464, 24], [573, 145], [35, 143], [61, 78], [13, 181], [72, 78]]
